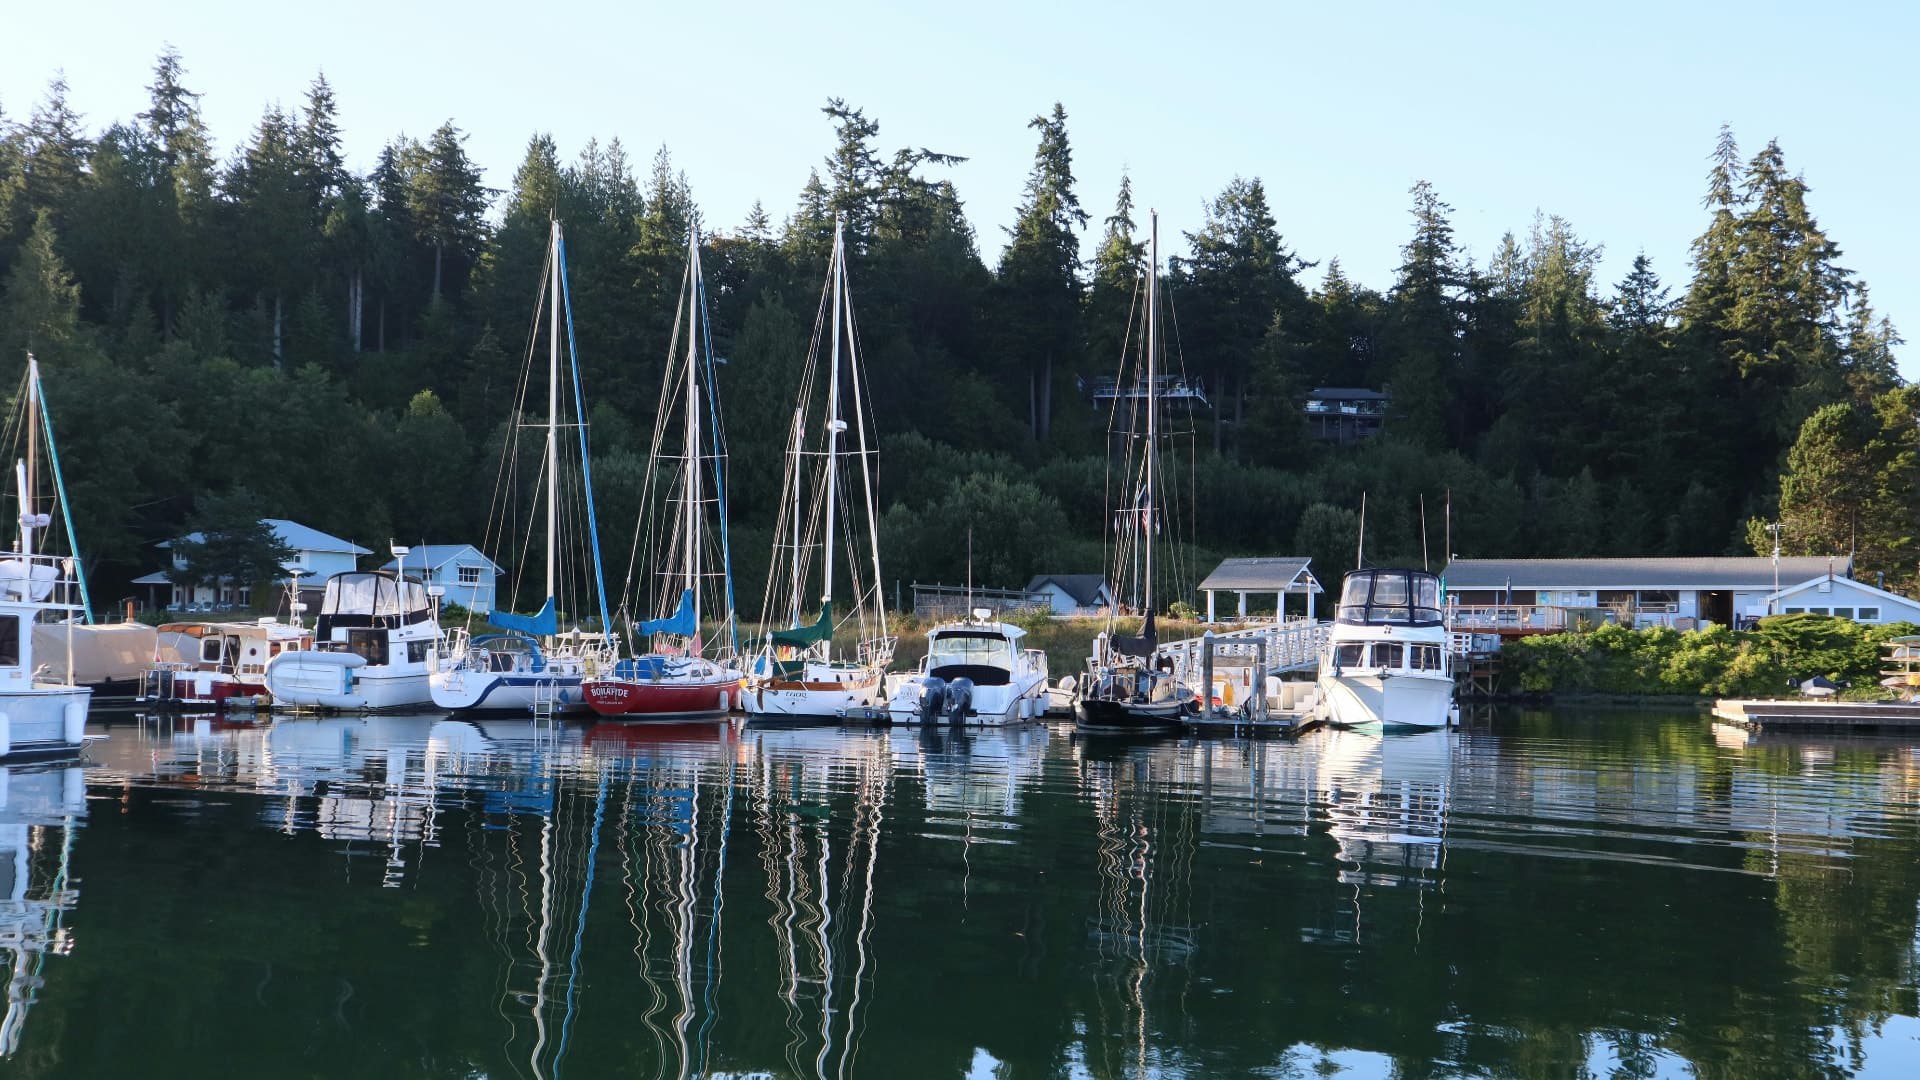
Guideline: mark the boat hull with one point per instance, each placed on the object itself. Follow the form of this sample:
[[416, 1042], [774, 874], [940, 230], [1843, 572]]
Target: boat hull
[[665, 701], [343, 682], [200, 690], [43, 721], [1110, 715], [823, 701], [1393, 700], [504, 692], [992, 706]]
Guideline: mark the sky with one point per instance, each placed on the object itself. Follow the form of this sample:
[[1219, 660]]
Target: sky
[[1602, 114]]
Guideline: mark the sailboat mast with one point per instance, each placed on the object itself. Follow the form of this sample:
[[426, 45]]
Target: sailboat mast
[[693, 425], [1153, 428], [553, 414], [834, 424], [27, 484]]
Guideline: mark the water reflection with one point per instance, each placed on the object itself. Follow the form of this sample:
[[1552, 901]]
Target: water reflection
[[502, 898], [40, 810]]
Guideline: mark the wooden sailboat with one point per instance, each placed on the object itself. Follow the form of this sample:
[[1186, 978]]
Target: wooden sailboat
[[534, 666], [1125, 687], [676, 674], [796, 675]]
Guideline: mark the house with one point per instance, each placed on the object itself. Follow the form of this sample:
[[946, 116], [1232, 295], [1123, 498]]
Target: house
[[1845, 598], [1283, 576], [1345, 414], [317, 556], [466, 576], [1072, 594], [1679, 592]]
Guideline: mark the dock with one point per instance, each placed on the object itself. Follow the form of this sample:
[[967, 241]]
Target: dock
[[1758, 714]]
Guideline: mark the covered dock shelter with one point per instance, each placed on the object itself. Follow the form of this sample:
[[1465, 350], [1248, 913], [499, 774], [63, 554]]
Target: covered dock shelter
[[1282, 575]]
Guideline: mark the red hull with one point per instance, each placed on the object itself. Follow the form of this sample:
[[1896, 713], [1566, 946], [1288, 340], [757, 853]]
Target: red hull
[[219, 694], [709, 699]]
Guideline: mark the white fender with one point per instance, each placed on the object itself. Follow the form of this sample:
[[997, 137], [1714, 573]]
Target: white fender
[[6, 735], [76, 722]]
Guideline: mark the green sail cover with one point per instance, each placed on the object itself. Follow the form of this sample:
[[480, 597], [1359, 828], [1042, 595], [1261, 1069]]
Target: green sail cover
[[799, 637]]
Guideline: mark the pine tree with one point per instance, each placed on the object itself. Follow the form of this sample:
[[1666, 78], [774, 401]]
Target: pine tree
[[1118, 267], [448, 203], [853, 170], [1039, 276], [181, 186], [42, 301], [56, 154], [1426, 323]]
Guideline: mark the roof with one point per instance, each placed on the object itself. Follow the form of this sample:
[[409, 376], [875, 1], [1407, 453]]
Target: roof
[[1280, 573], [1084, 588], [435, 556], [1348, 393], [297, 536], [1706, 572], [1851, 583]]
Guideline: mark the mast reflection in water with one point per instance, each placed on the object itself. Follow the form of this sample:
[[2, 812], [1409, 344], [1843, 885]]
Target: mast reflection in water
[[435, 897]]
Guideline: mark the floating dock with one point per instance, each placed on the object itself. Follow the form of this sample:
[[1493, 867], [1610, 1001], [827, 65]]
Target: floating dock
[[1788, 715]]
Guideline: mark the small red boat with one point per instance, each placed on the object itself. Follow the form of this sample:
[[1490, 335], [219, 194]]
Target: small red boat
[[665, 688]]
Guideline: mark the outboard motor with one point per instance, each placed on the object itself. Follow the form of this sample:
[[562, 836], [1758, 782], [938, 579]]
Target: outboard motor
[[933, 698], [959, 699]]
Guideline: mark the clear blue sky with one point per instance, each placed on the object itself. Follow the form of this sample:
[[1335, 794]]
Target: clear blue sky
[[1603, 114]]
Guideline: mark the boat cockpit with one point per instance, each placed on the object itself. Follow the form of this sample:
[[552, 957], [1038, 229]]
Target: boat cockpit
[[1390, 598]]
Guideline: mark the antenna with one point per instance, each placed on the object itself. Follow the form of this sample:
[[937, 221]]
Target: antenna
[[969, 567], [1423, 532], [1449, 527], [1360, 551]]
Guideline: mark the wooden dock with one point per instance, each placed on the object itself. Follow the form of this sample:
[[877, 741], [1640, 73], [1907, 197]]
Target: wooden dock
[[1790, 715]]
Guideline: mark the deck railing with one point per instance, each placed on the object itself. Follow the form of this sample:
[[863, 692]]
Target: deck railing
[[1508, 618], [1290, 646]]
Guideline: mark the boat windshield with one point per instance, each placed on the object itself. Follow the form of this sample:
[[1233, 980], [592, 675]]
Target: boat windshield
[[969, 648], [373, 594], [1390, 597]]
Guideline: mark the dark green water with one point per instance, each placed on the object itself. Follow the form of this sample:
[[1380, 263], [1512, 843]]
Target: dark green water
[[1552, 894]]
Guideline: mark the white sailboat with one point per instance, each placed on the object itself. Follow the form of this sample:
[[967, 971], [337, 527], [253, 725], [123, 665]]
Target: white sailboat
[[796, 675], [534, 666], [677, 674], [39, 716], [1125, 688]]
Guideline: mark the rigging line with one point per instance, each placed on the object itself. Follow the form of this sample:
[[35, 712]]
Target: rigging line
[[712, 983], [867, 468], [719, 474], [504, 488], [580, 414], [580, 929], [669, 389]]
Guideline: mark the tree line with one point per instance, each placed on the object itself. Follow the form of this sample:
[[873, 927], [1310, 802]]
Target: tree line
[[275, 330]]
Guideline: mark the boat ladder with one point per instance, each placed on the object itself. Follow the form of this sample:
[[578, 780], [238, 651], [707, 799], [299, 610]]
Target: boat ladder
[[545, 695]]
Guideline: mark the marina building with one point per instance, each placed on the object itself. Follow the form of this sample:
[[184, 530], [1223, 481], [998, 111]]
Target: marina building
[[1281, 576], [1542, 595]]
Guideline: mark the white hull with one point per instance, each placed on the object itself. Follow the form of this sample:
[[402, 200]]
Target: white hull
[[993, 706], [43, 720], [487, 691], [818, 697], [1396, 699], [344, 682]]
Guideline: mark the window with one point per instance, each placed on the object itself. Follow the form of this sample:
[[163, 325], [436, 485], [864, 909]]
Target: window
[[1426, 658], [417, 651], [1389, 655], [470, 575], [210, 650], [246, 595], [1869, 614], [9, 640], [1843, 613], [1817, 610], [1796, 611], [1348, 655]]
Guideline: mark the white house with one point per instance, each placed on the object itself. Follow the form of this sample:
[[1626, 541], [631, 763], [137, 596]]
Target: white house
[[467, 576], [317, 556], [1845, 598], [1680, 592], [1072, 594]]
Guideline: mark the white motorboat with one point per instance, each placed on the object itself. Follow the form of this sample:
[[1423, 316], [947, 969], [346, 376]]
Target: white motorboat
[[1387, 661], [376, 633], [975, 672]]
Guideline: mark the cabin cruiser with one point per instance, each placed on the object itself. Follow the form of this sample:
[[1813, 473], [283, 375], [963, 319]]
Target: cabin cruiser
[[210, 665], [975, 672], [376, 632], [1386, 662]]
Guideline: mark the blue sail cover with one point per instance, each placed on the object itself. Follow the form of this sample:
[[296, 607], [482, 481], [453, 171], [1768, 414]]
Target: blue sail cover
[[542, 623], [682, 622]]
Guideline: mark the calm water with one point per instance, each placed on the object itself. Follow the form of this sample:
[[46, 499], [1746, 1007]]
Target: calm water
[[1541, 894]]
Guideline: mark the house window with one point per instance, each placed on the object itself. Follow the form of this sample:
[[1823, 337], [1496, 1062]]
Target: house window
[[1817, 610], [1843, 613], [470, 575], [1658, 599], [246, 596], [9, 640], [1796, 611], [1869, 614]]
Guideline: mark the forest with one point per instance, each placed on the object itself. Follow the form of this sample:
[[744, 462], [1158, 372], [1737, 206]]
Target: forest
[[263, 327]]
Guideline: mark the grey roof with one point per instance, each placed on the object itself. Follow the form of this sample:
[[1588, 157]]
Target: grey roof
[[1084, 588], [1272, 574], [434, 556], [1348, 393], [297, 536], [1706, 572]]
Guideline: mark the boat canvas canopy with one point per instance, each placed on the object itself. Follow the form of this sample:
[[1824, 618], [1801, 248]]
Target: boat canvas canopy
[[799, 637], [542, 623], [373, 594]]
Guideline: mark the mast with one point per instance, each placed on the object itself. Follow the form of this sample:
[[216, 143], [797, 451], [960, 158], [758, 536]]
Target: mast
[[834, 424], [799, 475], [693, 426], [1153, 430], [29, 475], [553, 413]]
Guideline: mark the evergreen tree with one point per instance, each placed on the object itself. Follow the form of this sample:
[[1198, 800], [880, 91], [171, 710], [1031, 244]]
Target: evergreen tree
[[42, 301], [1426, 323], [448, 203], [1039, 277], [853, 172], [57, 151]]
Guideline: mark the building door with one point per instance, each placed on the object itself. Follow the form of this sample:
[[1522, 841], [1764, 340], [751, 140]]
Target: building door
[[1716, 607]]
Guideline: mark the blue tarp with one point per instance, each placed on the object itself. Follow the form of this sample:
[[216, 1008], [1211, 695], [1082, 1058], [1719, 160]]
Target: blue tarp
[[542, 623], [681, 622]]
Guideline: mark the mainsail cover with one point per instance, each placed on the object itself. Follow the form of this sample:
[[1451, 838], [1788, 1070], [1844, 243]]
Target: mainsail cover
[[1143, 646], [682, 622], [543, 623], [799, 637]]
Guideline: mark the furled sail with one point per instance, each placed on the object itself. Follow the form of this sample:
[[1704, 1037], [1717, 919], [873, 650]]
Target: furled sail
[[799, 637], [542, 623], [683, 622]]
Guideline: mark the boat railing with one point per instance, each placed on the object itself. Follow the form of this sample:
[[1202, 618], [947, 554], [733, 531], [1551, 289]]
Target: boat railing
[[46, 580]]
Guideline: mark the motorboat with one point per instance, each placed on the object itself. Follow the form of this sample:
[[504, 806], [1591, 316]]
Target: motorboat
[[976, 671], [215, 665], [1387, 661], [373, 643]]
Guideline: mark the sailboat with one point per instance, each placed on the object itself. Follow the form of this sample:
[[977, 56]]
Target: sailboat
[[534, 666], [39, 715], [681, 676], [1127, 687], [796, 675]]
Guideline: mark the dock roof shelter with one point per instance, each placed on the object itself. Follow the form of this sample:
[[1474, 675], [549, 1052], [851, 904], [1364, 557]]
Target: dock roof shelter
[[1283, 576]]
